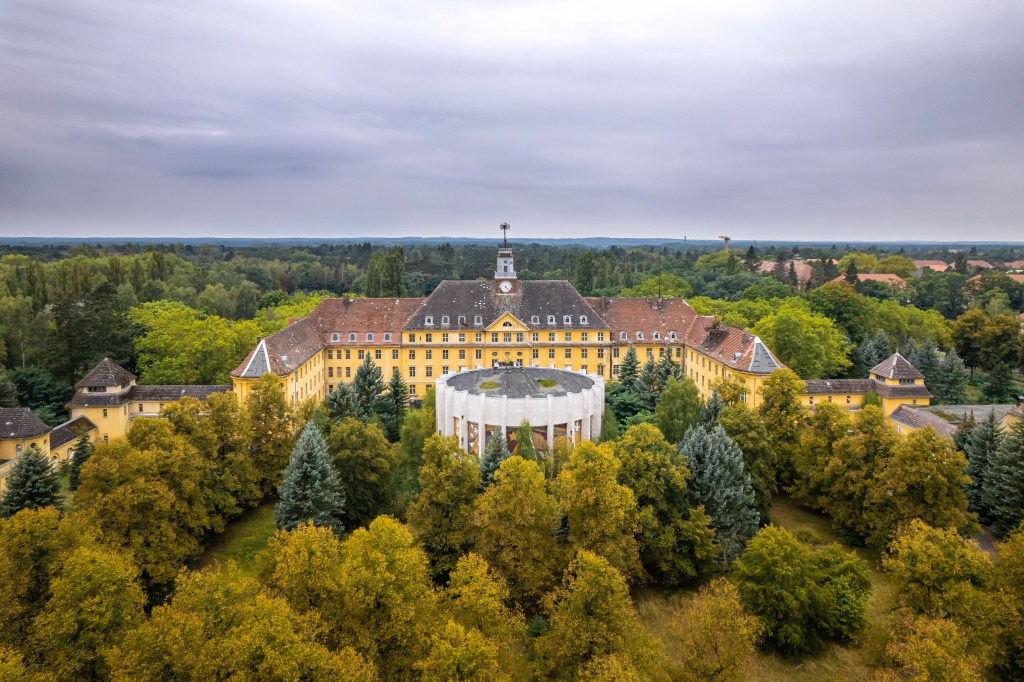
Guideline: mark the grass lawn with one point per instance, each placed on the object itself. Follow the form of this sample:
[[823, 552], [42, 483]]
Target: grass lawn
[[852, 662], [242, 540]]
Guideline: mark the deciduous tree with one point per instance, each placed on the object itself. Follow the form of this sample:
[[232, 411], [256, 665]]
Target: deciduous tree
[[364, 460], [715, 637]]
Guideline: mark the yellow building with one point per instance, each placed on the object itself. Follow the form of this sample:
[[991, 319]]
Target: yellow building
[[503, 321], [109, 399], [20, 429], [894, 380]]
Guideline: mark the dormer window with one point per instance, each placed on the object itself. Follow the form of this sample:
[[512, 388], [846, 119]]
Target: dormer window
[[551, 319], [623, 336], [478, 320], [583, 319], [387, 337], [446, 320], [462, 320], [567, 319], [369, 338], [506, 323], [429, 321], [639, 336], [352, 337], [671, 336], [535, 319], [335, 337], [657, 336]]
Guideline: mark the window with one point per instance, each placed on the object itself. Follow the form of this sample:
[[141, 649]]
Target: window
[[535, 319], [600, 353], [412, 338], [330, 388], [429, 338], [462, 320], [494, 337], [412, 390], [330, 373], [352, 337], [444, 338], [412, 371], [478, 319], [847, 400], [445, 319], [639, 336], [551, 353], [519, 337], [479, 354], [387, 338], [567, 319], [106, 439], [104, 413], [536, 353], [369, 338], [600, 336], [479, 337], [661, 352], [568, 353], [462, 338], [583, 319], [584, 369], [444, 369], [583, 336], [671, 336], [535, 336], [412, 355], [348, 372], [362, 354], [615, 369], [507, 337], [444, 354], [811, 399], [430, 370], [679, 352], [335, 337], [622, 336], [656, 336], [568, 336], [330, 354], [140, 407], [551, 336], [600, 370], [376, 354], [615, 352], [506, 323], [462, 354], [348, 354], [429, 321], [583, 353], [394, 354], [430, 354], [551, 319]]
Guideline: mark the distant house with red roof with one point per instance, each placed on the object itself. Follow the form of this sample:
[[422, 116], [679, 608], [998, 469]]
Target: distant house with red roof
[[984, 264], [894, 281], [1015, 265], [936, 265]]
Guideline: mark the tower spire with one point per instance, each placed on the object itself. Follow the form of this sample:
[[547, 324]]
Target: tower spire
[[504, 231]]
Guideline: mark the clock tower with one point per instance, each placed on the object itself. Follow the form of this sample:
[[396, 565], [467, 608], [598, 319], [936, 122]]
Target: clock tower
[[505, 274]]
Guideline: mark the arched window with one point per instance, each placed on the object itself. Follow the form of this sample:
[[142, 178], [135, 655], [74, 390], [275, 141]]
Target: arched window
[[387, 337], [567, 319], [352, 337], [446, 320], [657, 336], [429, 320], [462, 320], [335, 337], [535, 319], [622, 336], [551, 319], [478, 319], [369, 338], [506, 323], [583, 319], [639, 336], [671, 336]]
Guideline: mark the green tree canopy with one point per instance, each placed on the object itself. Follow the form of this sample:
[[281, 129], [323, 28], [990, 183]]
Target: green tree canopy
[[310, 489]]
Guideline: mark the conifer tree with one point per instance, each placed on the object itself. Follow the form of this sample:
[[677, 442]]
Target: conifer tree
[[951, 381], [721, 483], [31, 485], [963, 431], [850, 277], [999, 387], [667, 369], [926, 360], [340, 403], [495, 452], [678, 409], [367, 388], [629, 370], [751, 261], [712, 409], [80, 453], [393, 404], [8, 391], [981, 446], [310, 490], [1004, 482], [524, 441], [647, 385]]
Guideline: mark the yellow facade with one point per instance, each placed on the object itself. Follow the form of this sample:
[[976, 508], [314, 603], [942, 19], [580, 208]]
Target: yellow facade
[[707, 372], [112, 423]]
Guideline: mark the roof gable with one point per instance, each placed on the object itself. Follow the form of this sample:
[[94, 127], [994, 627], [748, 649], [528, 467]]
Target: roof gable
[[507, 322], [105, 374]]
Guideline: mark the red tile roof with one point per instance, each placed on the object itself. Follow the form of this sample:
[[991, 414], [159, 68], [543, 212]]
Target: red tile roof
[[377, 316], [802, 268], [896, 367], [919, 419], [648, 316], [731, 346], [1015, 265], [894, 280], [936, 265], [979, 264]]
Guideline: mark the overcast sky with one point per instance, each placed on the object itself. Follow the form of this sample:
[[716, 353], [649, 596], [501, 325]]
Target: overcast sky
[[814, 119]]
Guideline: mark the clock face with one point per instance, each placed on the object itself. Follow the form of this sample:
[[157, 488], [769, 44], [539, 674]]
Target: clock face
[[505, 286]]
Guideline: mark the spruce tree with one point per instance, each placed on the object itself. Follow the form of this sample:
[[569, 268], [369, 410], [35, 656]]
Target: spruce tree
[[873, 350], [751, 261], [393, 404], [712, 409], [8, 391], [81, 452], [340, 403], [722, 485], [999, 388], [367, 388], [963, 431], [524, 442], [850, 277], [495, 452], [981, 445], [950, 386], [32, 484], [629, 370], [647, 385], [1004, 482], [310, 489], [667, 369], [926, 360]]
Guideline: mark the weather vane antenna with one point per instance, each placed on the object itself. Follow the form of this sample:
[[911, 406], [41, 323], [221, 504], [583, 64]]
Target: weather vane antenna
[[504, 231]]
